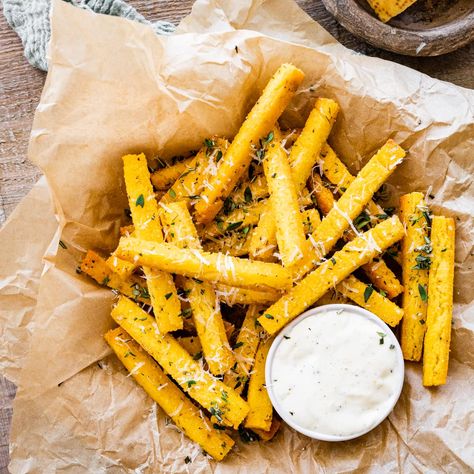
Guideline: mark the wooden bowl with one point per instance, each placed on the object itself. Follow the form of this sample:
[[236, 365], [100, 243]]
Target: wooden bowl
[[427, 28]]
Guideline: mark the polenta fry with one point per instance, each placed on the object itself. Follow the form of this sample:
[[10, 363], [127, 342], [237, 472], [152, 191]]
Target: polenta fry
[[261, 410], [373, 301], [331, 272], [164, 178], [415, 265], [201, 295], [440, 302], [305, 150], [258, 123], [145, 217], [171, 399], [195, 263], [245, 349], [222, 401], [290, 235], [377, 270]]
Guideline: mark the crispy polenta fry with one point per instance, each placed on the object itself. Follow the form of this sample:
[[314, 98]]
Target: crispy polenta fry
[[165, 177], [324, 196], [373, 301], [415, 264], [188, 187], [270, 434], [311, 220], [145, 217], [245, 349], [338, 174], [96, 267], [223, 402], [305, 151], [377, 270], [331, 272], [196, 263], [202, 298], [171, 399], [290, 235], [303, 156], [120, 267], [233, 295], [263, 242], [261, 410], [440, 302], [258, 123], [356, 197]]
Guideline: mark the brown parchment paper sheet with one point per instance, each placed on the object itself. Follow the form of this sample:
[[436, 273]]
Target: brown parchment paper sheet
[[114, 87]]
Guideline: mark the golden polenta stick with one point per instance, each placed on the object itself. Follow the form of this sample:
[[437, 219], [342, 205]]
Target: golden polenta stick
[[195, 263], [188, 187], [311, 220], [305, 151], [233, 295], [440, 302], [258, 123], [270, 434], [187, 416], [377, 270], [356, 197], [303, 156], [121, 267], [263, 242], [223, 402], [238, 219], [382, 277], [261, 410], [202, 298], [365, 296], [245, 349], [338, 174], [145, 217], [283, 200], [415, 264], [324, 196], [96, 267], [164, 178], [386, 9], [331, 272]]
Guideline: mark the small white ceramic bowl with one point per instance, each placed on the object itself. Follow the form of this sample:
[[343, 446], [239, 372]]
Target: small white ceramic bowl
[[391, 339]]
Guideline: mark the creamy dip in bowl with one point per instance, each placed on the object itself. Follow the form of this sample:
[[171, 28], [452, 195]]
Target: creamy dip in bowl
[[335, 372]]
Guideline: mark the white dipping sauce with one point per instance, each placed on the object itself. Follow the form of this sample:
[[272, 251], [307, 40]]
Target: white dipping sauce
[[336, 373]]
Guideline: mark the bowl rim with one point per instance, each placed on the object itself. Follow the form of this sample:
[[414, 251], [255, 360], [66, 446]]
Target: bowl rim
[[431, 42], [320, 309]]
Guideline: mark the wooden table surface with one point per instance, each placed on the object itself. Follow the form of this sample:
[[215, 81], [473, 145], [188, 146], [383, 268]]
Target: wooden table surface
[[20, 89]]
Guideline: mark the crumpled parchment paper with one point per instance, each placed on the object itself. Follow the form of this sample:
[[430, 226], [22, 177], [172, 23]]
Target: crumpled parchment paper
[[114, 87]]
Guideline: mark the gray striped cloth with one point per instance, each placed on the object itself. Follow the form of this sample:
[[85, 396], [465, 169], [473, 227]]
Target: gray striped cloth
[[30, 20]]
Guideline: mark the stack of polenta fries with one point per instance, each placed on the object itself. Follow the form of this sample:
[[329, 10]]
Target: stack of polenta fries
[[273, 221]]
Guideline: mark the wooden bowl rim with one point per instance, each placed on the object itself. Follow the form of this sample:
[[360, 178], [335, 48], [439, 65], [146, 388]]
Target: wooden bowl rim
[[359, 22]]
